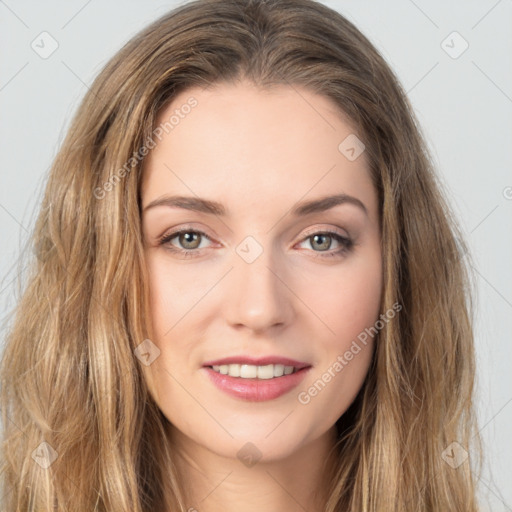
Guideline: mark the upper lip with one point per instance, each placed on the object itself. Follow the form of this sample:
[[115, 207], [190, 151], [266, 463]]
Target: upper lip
[[258, 361]]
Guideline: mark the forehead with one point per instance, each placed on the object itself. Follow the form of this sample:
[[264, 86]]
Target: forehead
[[247, 145]]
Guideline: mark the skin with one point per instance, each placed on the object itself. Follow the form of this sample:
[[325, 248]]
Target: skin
[[258, 152]]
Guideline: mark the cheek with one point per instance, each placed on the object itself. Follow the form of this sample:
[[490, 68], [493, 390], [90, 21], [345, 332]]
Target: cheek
[[171, 297], [349, 305], [173, 293], [346, 300]]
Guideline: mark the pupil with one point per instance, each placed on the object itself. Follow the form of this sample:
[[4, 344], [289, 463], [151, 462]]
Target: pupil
[[325, 244], [189, 237]]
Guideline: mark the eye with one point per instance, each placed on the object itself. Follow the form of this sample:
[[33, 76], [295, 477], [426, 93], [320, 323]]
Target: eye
[[322, 240], [189, 239], [190, 242]]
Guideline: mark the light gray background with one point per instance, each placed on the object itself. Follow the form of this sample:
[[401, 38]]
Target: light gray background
[[464, 105]]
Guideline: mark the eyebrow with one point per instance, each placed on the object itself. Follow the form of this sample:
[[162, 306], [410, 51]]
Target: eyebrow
[[214, 208]]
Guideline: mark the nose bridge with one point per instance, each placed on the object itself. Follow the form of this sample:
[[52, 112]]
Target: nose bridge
[[258, 298]]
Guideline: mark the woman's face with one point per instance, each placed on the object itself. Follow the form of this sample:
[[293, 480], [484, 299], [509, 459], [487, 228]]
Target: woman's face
[[263, 272]]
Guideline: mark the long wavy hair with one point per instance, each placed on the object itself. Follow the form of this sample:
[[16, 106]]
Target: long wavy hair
[[81, 431]]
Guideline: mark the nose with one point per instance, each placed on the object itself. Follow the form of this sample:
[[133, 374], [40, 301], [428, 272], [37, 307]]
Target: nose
[[257, 295]]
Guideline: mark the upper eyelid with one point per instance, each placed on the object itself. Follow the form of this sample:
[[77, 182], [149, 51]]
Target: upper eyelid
[[314, 231]]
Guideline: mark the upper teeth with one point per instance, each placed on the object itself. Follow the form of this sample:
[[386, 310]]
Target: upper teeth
[[249, 371]]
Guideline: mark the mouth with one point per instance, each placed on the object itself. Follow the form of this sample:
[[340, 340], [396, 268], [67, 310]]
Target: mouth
[[256, 383], [264, 368], [249, 371], [256, 380]]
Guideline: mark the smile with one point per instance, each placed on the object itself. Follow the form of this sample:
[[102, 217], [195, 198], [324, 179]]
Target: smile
[[249, 371], [256, 383]]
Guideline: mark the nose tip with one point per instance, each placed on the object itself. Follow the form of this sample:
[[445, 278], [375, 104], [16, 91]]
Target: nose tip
[[258, 298]]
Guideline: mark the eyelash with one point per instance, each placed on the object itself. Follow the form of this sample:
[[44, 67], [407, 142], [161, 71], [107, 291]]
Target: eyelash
[[346, 243]]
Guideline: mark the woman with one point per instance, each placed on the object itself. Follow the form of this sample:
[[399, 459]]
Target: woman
[[249, 292]]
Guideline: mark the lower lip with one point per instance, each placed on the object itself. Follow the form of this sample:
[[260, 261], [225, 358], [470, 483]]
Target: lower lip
[[256, 390]]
